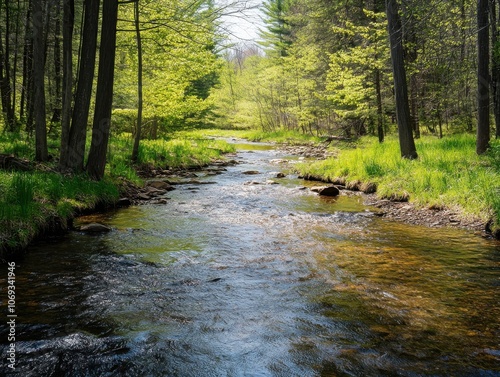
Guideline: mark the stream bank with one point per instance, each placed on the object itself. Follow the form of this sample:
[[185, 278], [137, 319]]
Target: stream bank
[[239, 278], [393, 207]]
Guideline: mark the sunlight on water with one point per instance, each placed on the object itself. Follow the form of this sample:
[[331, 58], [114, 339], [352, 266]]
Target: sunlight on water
[[245, 278]]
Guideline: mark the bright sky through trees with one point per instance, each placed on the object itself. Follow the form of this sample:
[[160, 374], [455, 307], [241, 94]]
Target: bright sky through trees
[[242, 19]]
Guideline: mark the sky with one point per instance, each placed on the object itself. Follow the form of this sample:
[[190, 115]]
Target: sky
[[242, 19]]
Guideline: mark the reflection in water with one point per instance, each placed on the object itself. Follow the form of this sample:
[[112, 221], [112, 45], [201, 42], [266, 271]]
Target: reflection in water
[[259, 280]]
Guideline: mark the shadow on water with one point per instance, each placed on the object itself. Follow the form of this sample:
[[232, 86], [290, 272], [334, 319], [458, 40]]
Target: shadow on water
[[245, 278]]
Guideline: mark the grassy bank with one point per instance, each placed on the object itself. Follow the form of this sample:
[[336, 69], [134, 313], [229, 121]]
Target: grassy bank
[[30, 201], [282, 136], [448, 173]]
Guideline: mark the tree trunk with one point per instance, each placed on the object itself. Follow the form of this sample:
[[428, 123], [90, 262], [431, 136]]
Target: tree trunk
[[74, 159], [5, 87], [15, 64], [41, 152], [68, 24], [104, 96], [483, 80], [56, 103], [406, 142], [26, 62], [414, 106], [495, 63], [135, 151], [380, 113]]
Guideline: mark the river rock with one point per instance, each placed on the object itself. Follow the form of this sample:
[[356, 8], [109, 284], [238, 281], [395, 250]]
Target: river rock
[[95, 228], [271, 182], [278, 161], [142, 196], [251, 172], [326, 190], [152, 192], [280, 175], [161, 185], [124, 202]]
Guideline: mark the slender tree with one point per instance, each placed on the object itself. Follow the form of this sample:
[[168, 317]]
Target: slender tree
[[104, 96], [74, 159], [135, 151], [495, 62], [67, 89], [406, 142], [5, 80], [41, 152], [483, 80]]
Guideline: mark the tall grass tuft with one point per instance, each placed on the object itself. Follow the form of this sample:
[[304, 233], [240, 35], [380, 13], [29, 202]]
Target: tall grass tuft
[[448, 172], [22, 192]]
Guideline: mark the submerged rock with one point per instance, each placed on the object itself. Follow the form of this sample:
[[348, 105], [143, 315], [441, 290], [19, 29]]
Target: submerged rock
[[124, 202], [95, 228], [251, 172]]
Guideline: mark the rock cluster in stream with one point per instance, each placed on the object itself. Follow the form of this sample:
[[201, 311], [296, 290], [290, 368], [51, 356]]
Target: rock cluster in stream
[[317, 151], [159, 182]]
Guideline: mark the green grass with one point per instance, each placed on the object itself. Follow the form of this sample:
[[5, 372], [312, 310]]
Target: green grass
[[447, 173], [188, 151], [28, 200]]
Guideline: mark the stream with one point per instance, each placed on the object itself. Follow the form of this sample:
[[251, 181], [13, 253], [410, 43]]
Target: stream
[[237, 279]]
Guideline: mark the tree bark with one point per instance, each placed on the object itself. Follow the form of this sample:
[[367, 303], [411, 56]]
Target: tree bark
[[41, 152], [135, 151], [380, 113], [5, 87], [15, 64], [495, 64], [406, 141], [67, 89], [75, 153], [56, 103], [104, 96], [27, 63], [483, 79]]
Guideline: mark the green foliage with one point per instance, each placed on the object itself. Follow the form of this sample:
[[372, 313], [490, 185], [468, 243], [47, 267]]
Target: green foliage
[[277, 37], [447, 173], [180, 65], [350, 81]]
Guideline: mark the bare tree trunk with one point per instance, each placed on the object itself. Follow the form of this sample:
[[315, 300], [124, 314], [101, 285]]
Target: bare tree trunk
[[414, 106], [135, 151], [56, 103], [495, 64], [68, 24], [406, 142], [26, 61], [104, 96], [41, 152], [483, 80], [15, 64], [5, 87], [78, 132], [380, 113]]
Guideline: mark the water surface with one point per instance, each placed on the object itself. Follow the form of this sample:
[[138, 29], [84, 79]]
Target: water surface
[[240, 279]]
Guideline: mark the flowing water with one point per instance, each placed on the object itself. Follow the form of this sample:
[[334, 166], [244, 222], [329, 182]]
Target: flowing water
[[235, 279]]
